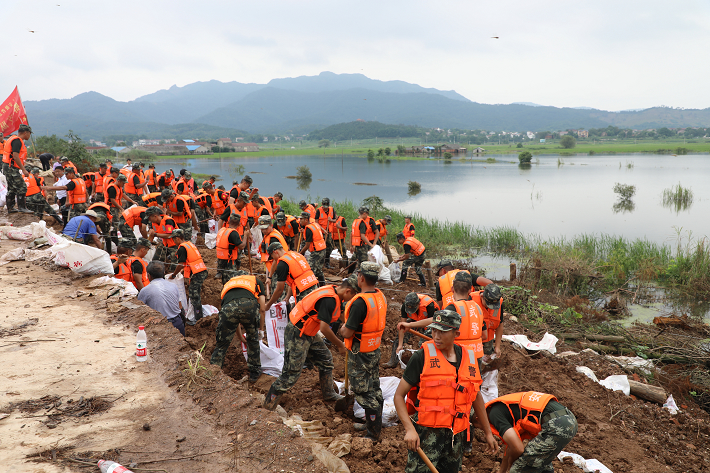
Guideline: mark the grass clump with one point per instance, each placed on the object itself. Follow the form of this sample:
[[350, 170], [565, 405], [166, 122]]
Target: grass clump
[[678, 197], [414, 188]]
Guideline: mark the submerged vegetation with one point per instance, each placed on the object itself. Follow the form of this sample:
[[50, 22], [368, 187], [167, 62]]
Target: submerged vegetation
[[624, 203], [414, 188], [677, 197]]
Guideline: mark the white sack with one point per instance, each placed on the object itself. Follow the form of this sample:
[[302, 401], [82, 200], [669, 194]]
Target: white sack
[[547, 343], [256, 239], [212, 225], [336, 254], [272, 362], [615, 382], [388, 384], [489, 387], [276, 320], [588, 466], [179, 282], [82, 259], [13, 255], [376, 255], [126, 289], [3, 190], [395, 271], [632, 362], [211, 241]]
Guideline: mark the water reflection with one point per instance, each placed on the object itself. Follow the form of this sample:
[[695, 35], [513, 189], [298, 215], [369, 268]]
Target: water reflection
[[304, 183], [624, 206]]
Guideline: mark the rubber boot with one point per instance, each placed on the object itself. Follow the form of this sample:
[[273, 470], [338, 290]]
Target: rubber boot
[[326, 387], [394, 362], [271, 400], [22, 206], [373, 420], [422, 281], [10, 203], [404, 276]]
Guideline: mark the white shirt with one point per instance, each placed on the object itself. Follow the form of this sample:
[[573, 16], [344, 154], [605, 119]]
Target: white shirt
[[62, 181]]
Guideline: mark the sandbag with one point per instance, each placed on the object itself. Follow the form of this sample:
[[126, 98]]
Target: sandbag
[[388, 385], [395, 271], [3, 190], [256, 239], [211, 241], [276, 319], [212, 225], [179, 282], [272, 362], [81, 259]]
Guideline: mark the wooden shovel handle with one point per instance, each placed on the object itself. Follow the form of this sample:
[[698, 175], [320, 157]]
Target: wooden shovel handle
[[347, 379], [420, 335], [426, 460]]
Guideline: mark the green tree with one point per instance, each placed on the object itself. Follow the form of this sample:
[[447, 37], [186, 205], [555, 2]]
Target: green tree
[[525, 157], [665, 132], [401, 150], [519, 145], [370, 154], [77, 153], [388, 151], [568, 142], [324, 143], [50, 144], [381, 152], [447, 155]]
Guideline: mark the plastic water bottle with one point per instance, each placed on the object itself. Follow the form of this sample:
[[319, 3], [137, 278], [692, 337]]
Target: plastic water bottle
[[141, 345], [107, 466]]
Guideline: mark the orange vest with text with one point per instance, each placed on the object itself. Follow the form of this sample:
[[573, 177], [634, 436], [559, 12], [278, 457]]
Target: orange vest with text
[[311, 210], [305, 310], [274, 235], [408, 230], [300, 276], [223, 251], [130, 187], [151, 200], [415, 246], [150, 177], [491, 316], [78, 194], [424, 302], [287, 230], [318, 243], [528, 426], [132, 216], [446, 287], [194, 263], [471, 326], [7, 152], [124, 272], [32, 186], [144, 274], [242, 282], [201, 199], [324, 216], [164, 228], [172, 207], [444, 396], [355, 239], [337, 232], [374, 324]]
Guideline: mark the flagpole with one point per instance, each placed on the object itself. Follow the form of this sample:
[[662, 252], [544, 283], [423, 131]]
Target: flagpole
[[34, 148]]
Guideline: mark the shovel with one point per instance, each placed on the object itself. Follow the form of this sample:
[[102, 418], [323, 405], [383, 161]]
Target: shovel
[[420, 335], [426, 460], [341, 405]]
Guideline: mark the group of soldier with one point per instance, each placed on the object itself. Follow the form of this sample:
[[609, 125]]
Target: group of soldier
[[438, 399]]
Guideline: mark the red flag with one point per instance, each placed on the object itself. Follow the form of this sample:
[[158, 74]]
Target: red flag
[[12, 113]]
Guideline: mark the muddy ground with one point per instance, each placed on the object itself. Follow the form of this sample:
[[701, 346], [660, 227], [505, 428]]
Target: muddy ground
[[626, 434]]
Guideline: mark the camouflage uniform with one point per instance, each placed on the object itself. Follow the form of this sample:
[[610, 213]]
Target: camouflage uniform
[[315, 261], [226, 269], [126, 231], [194, 292], [15, 184], [364, 374], [39, 205], [300, 349], [239, 311], [304, 293], [444, 452], [137, 198], [417, 261], [152, 189], [328, 249], [187, 229], [77, 209], [489, 347], [359, 255], [540, 451], [166, 255]]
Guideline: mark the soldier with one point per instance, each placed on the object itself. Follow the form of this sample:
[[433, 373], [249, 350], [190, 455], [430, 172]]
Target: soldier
[[178, 208], [97, 192], [382, 241], [104, 222], [325, 216], [441, 383], [13, 167], [339, 229], [414, 254], [242, 303], [416, 307], [314, 312], [289, 227], [490, 300], [162, 227], [66, 163], [189, 258], [242, 186], [306, 207], [275, 207], [238, 209], [135, 183], [314, 242], [259, 209], [130, 218], [76, 192], [151, 178], [408, 229], [548, 425], [292, 269], [136, 266], [365, 319], [267, 230], [444, 286], [36, 197], [363, 237], [203, 206], [229, 244]]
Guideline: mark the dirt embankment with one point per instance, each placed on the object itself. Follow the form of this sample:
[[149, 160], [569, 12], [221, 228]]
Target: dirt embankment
[[626, 434]]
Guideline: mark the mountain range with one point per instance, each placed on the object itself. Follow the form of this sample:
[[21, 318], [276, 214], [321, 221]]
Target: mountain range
[[298, 105]]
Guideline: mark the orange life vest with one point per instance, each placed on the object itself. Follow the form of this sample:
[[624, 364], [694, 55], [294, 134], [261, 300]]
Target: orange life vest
[[274, 235], [78, 194], [491, 316], [7, 152], [471, 326], [151, 200], [223, 251], [164, 228], [446, 287], [144, 274], [424, 302], [267, 204], [408, 230], [172, 207], [336, 232], [185, 188], [132, 216], [218, 203], [305, 310], [124, 272], [311, 210], [89, 178], [287, 229], [201, 199], [528, 426], [444, 396], [318, 243], [415, 246], [355, 234], [166, 180], [108, 180], [300, 276], [104, 208], [242, 282], [383, 229], [194, 263], [119, 194], [32, 186], [324, 216], [243, 219], [374, 323], [150, 176], [99, 182], [125, 172], [130, 187]]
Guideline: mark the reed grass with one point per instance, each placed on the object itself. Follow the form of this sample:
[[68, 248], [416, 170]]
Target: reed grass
[[678, 197]]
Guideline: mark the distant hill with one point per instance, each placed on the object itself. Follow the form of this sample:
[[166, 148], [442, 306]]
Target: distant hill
[[361, 130], [300, 105]]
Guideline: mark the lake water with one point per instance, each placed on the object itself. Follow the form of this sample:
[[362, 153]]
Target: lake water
[[548, 198]]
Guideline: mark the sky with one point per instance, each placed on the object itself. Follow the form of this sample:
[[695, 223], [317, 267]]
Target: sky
[[603, 54]]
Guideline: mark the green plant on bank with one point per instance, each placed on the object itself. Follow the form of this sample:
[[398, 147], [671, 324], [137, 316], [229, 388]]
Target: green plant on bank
[[195, 368], [491, 160], [447, 155], [525, 157], [414, 188], [678, 197], [370, 155]]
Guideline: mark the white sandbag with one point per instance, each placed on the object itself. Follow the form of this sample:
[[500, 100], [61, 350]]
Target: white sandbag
[[81, 259], [335, 254], [615, 382], [388, 385], [547, 343], [275, 321], [256, 239], [632, 362], [17, 254], [211, 241], [489, 387], [179, 282], [125, 288], [27, 232], [32, 255], [272, 362], [384, 275], [588, 466], [375, 254], [3, 190], [212, 225], [395, 271]]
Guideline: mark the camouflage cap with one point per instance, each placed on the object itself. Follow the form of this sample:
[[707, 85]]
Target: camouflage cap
[[188, 174], [207, 185], [370, 268], [281, 217], [411, 303], [273, 246], [154, 211], [240, 272], [144, 242], [136, 166], [166, 193], [363, 210], [23, 128], [279, 195], [325, 201], [492, 296], [352, 282], [387, 219], [35, 170], [70, 170], [248, 179], [126, 243], [122, 178], [446, 320], [400, 236], [264, 222], [244, 196], [177, 233], [64, 158], [302, 204], [305, 215], [443, 264], [464, 276]]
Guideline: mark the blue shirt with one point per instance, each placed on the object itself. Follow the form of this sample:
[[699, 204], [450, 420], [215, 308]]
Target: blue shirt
[[84, 224]]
